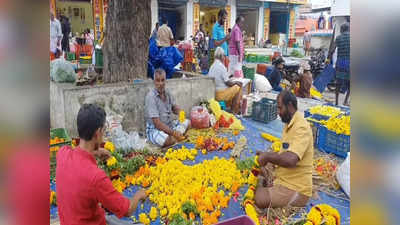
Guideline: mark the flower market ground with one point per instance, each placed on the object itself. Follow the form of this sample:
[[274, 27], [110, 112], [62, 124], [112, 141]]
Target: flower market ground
[[253, 129]]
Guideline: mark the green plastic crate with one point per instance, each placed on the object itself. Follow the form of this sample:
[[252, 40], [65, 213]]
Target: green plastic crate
[[249, 72], [252, 58], [60, 133], [71, 56], [263, 59], [99, 58]]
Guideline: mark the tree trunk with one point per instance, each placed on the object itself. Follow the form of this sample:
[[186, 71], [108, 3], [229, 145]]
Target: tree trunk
[[126, 45]]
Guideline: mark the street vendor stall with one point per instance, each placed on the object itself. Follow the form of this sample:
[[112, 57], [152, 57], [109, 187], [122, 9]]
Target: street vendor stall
[[198, 180]]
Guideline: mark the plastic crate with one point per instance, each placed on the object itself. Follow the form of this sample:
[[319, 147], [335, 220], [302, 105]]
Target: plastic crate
[[264, 110], [251, 58], [345, 109], [60, 133], [262, 58], [330, 142], [240, 220], [71, 56], [85, 60], [315, 116], [99, 58], [248, 72]]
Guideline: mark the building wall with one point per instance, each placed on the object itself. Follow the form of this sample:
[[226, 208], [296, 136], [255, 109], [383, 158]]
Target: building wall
[[154, 13], [124, 99], [77, 24]]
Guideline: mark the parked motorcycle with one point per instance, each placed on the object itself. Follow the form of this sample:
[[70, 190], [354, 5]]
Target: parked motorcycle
[[317, 65]]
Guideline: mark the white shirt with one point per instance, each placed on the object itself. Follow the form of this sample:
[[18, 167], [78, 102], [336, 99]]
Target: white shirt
[[55, 34], [219, 72]]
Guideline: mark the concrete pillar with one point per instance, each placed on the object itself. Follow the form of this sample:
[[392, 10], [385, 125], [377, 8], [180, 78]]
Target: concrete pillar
[[260, 25], [232, 4], [189, 19], [154, 13]]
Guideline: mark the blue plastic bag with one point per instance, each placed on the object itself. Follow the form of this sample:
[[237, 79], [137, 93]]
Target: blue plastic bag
[[166, 58], [170, 57]]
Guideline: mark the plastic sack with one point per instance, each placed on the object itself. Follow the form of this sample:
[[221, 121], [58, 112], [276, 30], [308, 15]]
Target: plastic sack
[[343, 175], [62, 71], [216, 109], [120, 138], [261, 83], [127, 142], [199, 117]]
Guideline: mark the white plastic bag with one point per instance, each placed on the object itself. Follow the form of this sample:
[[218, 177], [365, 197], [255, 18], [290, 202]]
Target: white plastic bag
[[343, 175], [127, 142], [120, 138], [261, 83]]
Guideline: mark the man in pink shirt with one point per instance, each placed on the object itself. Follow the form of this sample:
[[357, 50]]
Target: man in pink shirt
[[81, 185], [236, 49]]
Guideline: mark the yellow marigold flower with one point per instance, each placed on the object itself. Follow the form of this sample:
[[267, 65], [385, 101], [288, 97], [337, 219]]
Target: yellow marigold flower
[[163, 212], [308, 223], [109, 146], [111, 161], [314, 216], [144, 219], [330, 220], [182, 116], [153, 213], [256, 161], [52, 197], [276, 146], [252, 213]]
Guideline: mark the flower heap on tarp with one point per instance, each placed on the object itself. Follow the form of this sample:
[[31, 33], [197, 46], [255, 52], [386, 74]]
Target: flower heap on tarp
[[325, 110], [181, 154], [207, 186], [340, 125], [229, 118], [214, 143], [323, 214]]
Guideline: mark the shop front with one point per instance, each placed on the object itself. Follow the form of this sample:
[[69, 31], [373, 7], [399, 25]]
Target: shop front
[[253, 20], [79, 13]]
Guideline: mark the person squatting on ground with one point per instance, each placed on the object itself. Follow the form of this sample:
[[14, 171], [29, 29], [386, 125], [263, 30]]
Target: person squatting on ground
[[294, 163], [161, 128], [83, 189]]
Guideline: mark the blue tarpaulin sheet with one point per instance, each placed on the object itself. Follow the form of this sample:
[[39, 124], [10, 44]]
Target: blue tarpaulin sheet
[[254, 142], [324, 78]]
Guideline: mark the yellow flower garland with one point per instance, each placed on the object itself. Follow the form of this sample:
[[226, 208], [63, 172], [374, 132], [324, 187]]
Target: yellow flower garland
[[323, 212]]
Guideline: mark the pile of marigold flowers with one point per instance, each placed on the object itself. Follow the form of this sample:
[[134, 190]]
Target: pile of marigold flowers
[[208, 186]]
